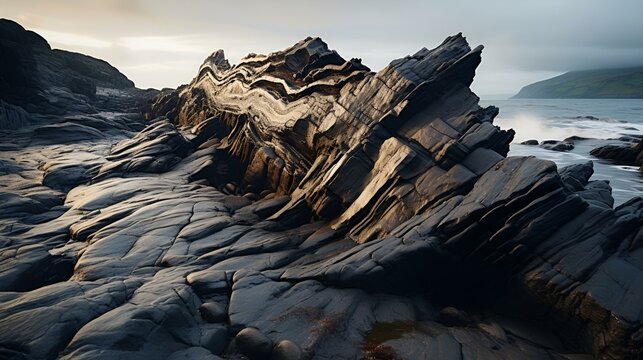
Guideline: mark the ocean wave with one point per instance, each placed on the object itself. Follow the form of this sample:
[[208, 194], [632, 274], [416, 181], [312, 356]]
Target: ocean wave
[[594, 118], [529, 126]]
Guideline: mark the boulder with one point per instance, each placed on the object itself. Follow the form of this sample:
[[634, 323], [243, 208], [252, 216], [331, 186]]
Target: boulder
[[213, 312], [622, 154], [557, 145], [451, 316], [286, 350], [530, 142], [252, 343]]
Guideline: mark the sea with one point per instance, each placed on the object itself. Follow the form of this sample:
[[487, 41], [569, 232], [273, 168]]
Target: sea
[[601, 121]]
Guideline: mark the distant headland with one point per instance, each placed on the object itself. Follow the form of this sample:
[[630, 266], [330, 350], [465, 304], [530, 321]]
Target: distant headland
[[624, 83]]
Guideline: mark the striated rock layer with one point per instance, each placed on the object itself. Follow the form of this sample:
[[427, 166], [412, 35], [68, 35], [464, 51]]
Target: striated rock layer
[[315, 209]]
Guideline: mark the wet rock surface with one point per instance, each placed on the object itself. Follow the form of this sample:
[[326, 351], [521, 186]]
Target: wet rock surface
[[622, 154], [297, 205], [530, 142], [556, 145]]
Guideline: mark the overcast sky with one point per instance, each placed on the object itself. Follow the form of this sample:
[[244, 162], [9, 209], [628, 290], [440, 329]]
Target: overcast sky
[[162, 43]]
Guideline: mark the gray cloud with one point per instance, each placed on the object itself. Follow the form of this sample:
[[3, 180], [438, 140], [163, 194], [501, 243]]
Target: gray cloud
[[524, 41]]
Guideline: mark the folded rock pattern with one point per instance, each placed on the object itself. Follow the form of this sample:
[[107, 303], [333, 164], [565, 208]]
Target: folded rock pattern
[[390, 196], [406, 157]]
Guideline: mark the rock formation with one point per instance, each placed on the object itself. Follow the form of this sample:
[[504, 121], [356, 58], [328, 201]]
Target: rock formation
[[297, 205], [557, 145], [37, 79], [622, 154]]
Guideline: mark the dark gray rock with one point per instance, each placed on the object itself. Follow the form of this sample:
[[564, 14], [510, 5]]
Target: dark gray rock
[[193, 353], [155, 149], [429, 340], [41, 80], [286, 350], [213, 312], [451, 316], [13, 116], [575, 138], [530, 142], [208, 282], [622, 154], [576, 176], [269, 207], [557, 145], [253, 343]]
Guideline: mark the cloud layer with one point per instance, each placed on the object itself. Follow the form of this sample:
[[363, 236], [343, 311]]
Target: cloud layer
[[161, 43]]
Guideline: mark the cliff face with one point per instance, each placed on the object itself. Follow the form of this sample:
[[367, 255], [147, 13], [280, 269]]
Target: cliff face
[[297, 205], [590, 84], [37, 79]]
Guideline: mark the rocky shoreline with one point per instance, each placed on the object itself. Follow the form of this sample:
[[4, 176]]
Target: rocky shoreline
[[626, 150], [622, 154], [297, 205]]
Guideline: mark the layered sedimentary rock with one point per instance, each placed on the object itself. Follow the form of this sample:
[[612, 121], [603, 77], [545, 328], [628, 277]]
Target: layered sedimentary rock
[[297, 205], [341, 140]]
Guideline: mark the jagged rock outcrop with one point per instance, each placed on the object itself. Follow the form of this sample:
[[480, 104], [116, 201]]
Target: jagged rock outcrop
[[409, 153], [298, 205], [288, 130]]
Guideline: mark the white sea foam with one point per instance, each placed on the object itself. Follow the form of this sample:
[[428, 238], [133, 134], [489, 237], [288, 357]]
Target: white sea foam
[[530, 126], [561, 118]]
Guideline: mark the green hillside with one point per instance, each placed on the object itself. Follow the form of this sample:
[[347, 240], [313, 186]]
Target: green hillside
[[589, 84]]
